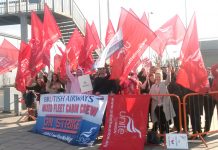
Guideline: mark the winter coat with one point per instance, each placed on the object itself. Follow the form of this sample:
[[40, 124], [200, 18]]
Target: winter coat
[[167, 104]]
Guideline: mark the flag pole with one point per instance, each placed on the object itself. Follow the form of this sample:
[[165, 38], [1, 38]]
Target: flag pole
[[108, 10], [99, 11], [186, 14], [149, 48], [167, 55]]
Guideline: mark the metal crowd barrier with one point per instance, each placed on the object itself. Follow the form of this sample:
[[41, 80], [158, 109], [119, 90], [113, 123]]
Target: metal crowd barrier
[[175, 122], [176, 102], [200, 109]]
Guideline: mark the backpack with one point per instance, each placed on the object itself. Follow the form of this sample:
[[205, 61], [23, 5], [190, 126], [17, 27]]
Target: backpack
[[152, 138]]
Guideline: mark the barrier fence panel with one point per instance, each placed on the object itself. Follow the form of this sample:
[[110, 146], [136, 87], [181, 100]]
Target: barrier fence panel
[[200, 114], [165, 112], [174, 105]]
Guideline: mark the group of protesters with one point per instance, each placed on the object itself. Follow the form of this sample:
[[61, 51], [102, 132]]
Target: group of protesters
[[156, 80]]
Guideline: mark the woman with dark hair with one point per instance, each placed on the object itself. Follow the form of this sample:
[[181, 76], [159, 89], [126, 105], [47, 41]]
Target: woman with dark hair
[[39, 87], [55, 85], [101, 82], [34, 91], [146, 85]]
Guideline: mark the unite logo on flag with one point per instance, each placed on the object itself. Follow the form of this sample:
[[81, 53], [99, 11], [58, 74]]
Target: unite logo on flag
[[124, 49], [126, 124]]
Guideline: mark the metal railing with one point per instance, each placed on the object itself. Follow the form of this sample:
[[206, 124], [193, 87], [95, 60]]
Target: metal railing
[[10, 36], [64, 7], [200, 107]]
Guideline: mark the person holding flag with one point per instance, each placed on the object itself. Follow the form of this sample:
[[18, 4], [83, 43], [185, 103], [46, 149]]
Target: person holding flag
[[162, 110], [73, 79], [131, 85]]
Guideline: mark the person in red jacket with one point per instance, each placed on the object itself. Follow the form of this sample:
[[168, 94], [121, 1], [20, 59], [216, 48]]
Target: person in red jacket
[[131, 85]]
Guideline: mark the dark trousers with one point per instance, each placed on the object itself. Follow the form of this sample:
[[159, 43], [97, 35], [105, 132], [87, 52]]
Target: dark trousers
[[176, 118], [162, 122], [195, 104], [209, 105]]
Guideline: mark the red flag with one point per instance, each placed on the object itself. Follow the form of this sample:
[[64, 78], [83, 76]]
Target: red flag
[[109, 35], [172, 32], [126, 122], [63, 66], [110, 32], [144, 19], [136, 37], [23, 69], [36, 61], [177, 30], [117, 65], [122, 18], [74, 47], [159, 43], [51, 34], [133, 13], [192, 73], [145, 62], [60, 49], [95, 35], [57, 63], [8, 56], [85, 58], [117, 57], [60, 65]]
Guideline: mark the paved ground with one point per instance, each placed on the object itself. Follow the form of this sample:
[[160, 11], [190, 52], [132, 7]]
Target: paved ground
[[15, 135]]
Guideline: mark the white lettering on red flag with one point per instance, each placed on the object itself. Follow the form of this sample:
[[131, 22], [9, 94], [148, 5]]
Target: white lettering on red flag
[[123, 122]]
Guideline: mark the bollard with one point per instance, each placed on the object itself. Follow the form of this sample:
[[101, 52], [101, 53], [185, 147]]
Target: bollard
[[16, 104], [7, 107]]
